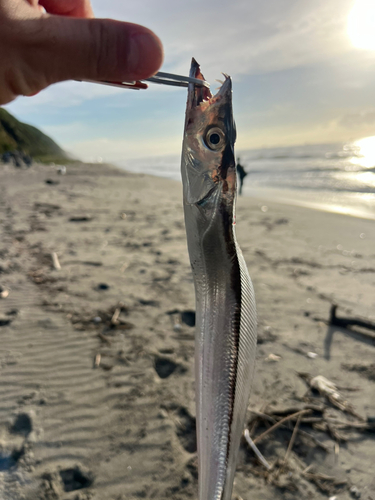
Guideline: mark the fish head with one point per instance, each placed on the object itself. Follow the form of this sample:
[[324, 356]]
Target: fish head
[[208, 163]]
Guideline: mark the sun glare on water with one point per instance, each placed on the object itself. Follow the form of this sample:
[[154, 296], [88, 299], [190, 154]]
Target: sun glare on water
[[365, 150], [361, 24]]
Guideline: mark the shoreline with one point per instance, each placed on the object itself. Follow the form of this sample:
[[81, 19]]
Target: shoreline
[[281, 196], [97, 356], [345, 203]]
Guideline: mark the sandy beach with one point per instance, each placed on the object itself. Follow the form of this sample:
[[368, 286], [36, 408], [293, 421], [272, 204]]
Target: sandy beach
[[97, 342]]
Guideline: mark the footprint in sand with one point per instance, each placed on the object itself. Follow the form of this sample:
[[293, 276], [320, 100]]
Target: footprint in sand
[[164, 367], [186, 430]]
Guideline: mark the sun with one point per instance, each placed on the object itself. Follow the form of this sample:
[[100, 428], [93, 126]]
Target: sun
[[361, 24]]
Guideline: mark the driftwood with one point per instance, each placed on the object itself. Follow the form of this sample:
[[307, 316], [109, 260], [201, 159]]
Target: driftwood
[[55, 261], [305, 434], [104, 338], [252, 445], [116, 314], [97, 360], [357, 328], [328, 389], [278, 424], [293, 438], [347, 322], [327, 484], [282, 472]]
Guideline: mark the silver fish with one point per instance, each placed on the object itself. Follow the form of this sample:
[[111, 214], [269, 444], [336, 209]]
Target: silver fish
[[225, 305]]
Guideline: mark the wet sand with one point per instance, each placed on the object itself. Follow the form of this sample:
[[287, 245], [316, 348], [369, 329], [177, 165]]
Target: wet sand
[[96, 358]]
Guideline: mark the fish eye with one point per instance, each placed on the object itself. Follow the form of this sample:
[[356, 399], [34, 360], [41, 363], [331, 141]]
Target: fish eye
[[214, 138]]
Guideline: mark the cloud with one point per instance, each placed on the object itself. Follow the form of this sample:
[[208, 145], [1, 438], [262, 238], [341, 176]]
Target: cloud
[[242, 37], [239, 38], [358, 119], [64, 94], [296, 78], [112, 150]]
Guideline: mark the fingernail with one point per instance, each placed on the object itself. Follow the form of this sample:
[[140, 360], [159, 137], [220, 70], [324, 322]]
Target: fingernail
[[145, 55]]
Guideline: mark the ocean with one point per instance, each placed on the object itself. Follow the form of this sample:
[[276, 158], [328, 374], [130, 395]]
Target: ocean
[[331, 177]]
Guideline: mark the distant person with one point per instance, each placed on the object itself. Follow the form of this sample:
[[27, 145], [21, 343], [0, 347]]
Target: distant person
[[54, 40], [241, 174]]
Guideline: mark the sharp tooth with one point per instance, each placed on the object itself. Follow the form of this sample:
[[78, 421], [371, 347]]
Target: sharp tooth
[[220, 81]]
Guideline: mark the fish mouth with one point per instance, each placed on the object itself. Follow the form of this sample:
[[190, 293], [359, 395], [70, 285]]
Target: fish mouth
[[205, 112], [197, 93]]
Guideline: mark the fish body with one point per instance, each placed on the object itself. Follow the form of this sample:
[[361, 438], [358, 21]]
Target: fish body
[[225, 305]]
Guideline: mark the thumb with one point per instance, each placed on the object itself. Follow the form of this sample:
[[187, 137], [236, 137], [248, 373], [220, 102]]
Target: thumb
[[93, 49]]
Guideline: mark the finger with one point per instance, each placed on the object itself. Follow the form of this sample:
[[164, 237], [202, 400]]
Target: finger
[[72, 8], [94, 49]]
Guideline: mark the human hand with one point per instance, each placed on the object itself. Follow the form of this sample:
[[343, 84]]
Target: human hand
[[54, 40]]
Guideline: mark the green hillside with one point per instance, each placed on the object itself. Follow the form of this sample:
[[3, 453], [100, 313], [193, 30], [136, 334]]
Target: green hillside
[[15, 135]]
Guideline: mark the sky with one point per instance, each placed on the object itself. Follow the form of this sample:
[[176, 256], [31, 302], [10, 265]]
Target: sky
[[303, 72]]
